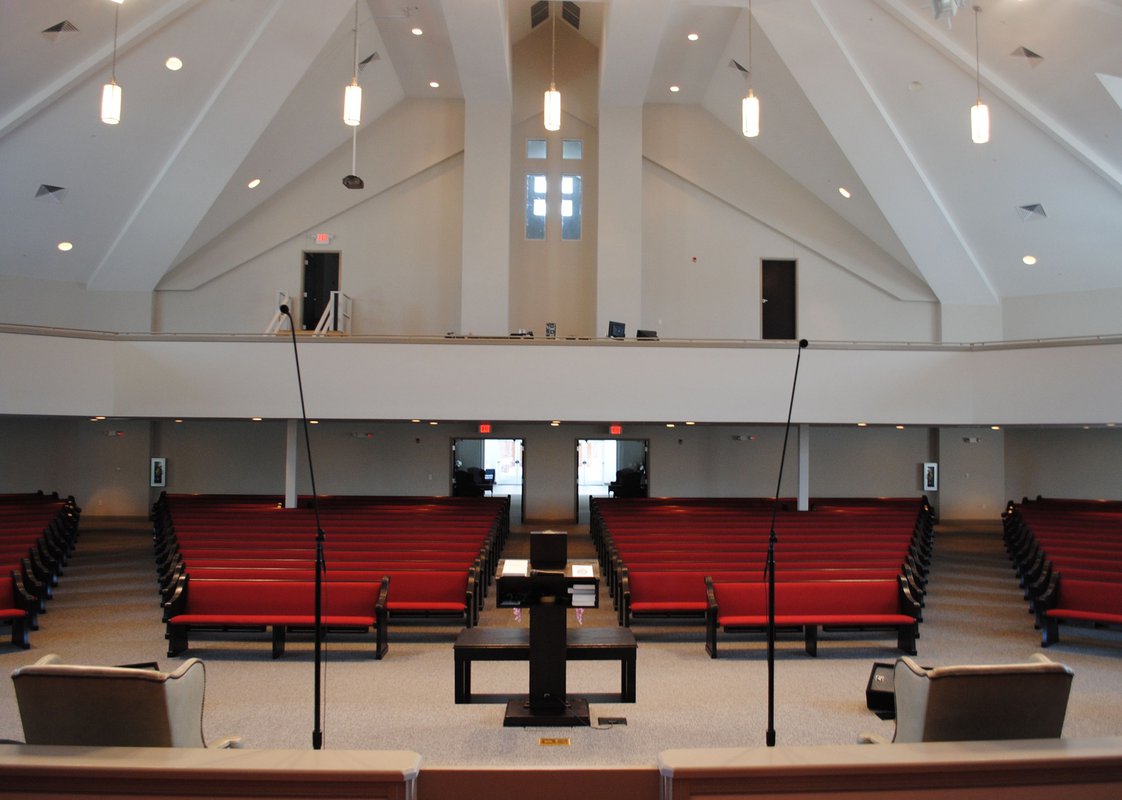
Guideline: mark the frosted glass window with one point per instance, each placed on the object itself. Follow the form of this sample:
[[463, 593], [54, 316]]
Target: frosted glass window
[[535, 148], [535, 206], [570, 207], [572, 149]]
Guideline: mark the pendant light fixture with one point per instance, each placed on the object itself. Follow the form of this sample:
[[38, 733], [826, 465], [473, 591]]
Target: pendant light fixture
[[750, 105], [979, 112], [553, 97], [111, 92], [352, 95]]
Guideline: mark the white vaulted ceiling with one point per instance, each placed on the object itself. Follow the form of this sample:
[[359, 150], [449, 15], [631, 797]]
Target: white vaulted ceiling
[[872, 95]]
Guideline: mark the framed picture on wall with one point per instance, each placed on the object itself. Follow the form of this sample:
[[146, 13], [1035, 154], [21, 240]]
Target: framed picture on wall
[[930, 476], [158, 474]]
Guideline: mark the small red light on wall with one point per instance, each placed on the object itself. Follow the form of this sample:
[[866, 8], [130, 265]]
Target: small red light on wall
[[484, 427], [615, 430], [323, 238]]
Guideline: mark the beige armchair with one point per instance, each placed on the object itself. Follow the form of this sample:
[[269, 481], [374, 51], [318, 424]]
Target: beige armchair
[[981, 701], [72, 704]]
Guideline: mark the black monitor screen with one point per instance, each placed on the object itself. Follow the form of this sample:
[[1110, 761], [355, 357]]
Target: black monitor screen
[[616, 330]]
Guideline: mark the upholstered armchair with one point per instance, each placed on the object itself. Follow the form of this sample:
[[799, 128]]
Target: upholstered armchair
[[979, 701], [73, 704]]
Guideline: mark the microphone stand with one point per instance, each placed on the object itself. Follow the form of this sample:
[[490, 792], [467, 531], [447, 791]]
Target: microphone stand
[[321, 565], [769, 565]]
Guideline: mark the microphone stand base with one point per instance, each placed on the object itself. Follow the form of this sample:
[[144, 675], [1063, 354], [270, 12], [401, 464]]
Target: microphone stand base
[[520, 713]]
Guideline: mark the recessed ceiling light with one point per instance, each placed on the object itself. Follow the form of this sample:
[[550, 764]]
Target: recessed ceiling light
[[174, 64], [671, 425], [675, 88], [417, 32], [693, 37], [434, 84], [556, 423], [844, 192], [995, 427], [313, 422], [253, 184], [915, 86], [66, 247], [414, 420], [899, 427], [862, 424], [1029, 260], [691, 423]]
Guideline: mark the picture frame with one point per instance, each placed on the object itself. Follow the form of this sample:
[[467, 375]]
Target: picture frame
[[930, 476], [158, 472]]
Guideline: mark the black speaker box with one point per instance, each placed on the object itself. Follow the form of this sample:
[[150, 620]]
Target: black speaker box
[[549, 549], [880, 693]]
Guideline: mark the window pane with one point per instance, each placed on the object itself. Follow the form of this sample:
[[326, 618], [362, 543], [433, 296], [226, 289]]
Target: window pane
[[535, 148], [571, 208], [566, 185], [572, 148], [535, 207]]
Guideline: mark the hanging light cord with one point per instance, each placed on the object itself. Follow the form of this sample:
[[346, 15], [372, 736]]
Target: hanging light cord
[[977, 54], [116, 17], [355, 75], [553, 45], [749, 45]]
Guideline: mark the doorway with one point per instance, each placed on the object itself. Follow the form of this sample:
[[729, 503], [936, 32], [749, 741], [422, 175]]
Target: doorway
[[488, 467], [777, 283], [610, 468], [321, 278]]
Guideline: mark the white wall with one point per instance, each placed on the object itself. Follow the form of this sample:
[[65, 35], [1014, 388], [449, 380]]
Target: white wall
[[1056, 315], [1063, 462], [29, 301], [109, 474]]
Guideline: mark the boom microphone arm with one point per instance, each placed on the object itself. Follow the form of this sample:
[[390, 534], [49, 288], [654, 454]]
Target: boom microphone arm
[[321, 566], [769, 567]]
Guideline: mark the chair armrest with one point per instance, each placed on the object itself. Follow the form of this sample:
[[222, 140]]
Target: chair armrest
[[227, 743], [871, 738], [623, 601], [177, 602]]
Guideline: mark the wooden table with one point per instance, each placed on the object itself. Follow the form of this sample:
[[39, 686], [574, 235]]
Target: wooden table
[[513, 644]]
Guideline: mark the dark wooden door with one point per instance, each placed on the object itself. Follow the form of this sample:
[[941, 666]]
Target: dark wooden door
[[778, 285], [321, 278]]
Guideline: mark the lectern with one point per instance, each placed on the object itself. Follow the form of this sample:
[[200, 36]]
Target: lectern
[[549, 585]]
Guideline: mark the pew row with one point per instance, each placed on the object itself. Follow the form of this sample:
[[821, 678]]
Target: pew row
[[740, 606]]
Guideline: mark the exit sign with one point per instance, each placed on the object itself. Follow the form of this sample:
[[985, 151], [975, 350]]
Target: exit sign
[[615, 430], [484, 427]]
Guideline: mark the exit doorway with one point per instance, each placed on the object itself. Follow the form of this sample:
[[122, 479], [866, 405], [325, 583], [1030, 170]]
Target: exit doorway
[[321, 278], [610, 468], [488, 467]]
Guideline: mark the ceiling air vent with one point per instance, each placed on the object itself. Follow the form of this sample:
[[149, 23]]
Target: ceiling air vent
[[1033, 59], [570, 12], [52, 33], [48, 192], [1033, 211], [539, 13]]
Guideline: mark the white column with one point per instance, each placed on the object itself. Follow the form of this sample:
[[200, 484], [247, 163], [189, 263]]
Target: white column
[[804, 467], [291, 453]]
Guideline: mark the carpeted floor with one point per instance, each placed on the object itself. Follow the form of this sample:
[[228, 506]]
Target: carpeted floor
[[106, 611]]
